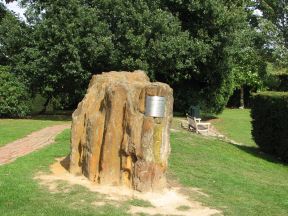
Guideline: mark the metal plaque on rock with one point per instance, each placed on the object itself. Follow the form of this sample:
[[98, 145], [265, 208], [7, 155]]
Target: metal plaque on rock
[[155, 106]]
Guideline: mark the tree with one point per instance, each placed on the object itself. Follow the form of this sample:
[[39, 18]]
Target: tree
[[74, 39], [148, 38], [214, 25], [68, 43], [14, 97], [2, 10], [13, 36], [274, 25], [184, 43], [248, 66]]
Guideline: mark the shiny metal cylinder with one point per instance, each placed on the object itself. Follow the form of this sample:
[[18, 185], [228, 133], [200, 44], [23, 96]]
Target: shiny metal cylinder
[[155, 106]]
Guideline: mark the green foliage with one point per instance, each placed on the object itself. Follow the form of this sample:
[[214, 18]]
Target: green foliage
[[278, 82], [69, 43], [217, 29], [149, 38], [2, 11], [274, 25], [73, 41], [277, 79], [14, 99], [276, 11], [13, 36], [270, 122], [200, 48], [247, 63]]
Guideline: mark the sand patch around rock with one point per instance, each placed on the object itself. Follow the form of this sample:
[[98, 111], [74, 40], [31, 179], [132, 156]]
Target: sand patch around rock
[[167, 202]]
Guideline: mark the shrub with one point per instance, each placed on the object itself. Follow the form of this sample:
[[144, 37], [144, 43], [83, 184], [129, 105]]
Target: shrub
[[14, 97], [270, 122]]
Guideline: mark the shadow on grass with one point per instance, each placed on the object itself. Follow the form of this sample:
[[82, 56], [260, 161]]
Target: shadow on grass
[[204, 116], [209, 118], [58, 116], [52, 117], [178, 114], [255, 151], [44, 117]]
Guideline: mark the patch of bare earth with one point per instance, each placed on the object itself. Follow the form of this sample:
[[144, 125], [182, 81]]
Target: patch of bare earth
[[168, 202]]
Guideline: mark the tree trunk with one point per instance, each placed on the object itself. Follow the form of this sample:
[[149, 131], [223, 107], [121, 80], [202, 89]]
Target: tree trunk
[[45, 105], [241, 97]]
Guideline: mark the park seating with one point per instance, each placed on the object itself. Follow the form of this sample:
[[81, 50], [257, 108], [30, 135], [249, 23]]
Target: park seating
[[195, 124]]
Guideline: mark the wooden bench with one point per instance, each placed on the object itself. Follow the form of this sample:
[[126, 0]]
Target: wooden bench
[[196, 124]]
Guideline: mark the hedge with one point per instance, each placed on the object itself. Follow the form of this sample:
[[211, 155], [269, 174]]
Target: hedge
[[269, 114]]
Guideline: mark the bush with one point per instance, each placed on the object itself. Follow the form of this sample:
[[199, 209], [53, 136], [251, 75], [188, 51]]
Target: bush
[[14, 97], [270, 122]]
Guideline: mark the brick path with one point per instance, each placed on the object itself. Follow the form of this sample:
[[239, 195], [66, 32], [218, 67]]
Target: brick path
[[30, 143]]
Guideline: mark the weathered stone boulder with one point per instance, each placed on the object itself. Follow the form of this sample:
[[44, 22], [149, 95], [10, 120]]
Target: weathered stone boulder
[[113, 142]]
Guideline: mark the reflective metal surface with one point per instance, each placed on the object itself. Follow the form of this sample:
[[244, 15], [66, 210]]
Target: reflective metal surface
[[155, 106]]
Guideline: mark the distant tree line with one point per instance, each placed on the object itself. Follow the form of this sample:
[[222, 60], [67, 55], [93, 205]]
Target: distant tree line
[[203, 49]]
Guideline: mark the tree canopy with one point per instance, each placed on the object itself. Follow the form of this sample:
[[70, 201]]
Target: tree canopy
[[203, 49], [274, 25], [226, 41], [68, 43]]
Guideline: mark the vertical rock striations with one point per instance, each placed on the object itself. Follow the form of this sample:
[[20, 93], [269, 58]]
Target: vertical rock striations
[[113, 141]]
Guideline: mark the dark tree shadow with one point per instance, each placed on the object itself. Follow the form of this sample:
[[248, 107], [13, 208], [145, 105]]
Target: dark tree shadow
[[255, 151], [178, 114], [204, 117], [52, 117], [209, 118]]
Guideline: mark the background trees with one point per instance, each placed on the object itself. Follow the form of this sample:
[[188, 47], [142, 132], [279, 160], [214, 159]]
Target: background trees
[[68, 43], [220, 29], [74, 39], [247, 63], [274, 25], [13, 36], [14, 96], [203, 49]]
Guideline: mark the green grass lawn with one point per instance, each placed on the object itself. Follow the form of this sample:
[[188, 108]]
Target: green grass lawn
[[238, 180], [13, 129], [236, 125], [21, 195]]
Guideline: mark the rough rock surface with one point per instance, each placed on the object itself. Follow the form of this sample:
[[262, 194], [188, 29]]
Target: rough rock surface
[[113, 142]]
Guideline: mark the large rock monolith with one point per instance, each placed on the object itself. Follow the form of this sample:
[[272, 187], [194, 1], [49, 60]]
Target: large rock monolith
[[114, 141]]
